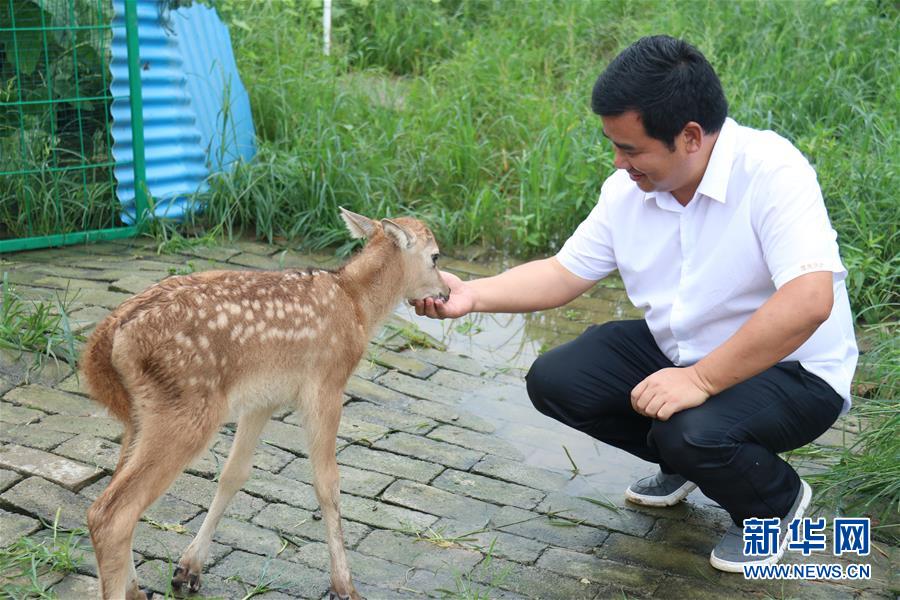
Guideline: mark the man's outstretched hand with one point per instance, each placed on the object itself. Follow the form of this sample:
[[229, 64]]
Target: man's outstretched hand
[[669, 391], [461, 302]]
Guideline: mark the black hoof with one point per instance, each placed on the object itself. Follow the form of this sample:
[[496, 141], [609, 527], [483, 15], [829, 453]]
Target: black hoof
[[332, 595], [147, 592], [181, 576], [178, 577]]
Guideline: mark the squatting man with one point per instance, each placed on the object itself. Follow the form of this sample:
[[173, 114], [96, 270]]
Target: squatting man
[[721, 237]]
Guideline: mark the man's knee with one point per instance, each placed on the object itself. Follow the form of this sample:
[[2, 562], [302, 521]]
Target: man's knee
[[540, 383], [685, 443], [551, 382]]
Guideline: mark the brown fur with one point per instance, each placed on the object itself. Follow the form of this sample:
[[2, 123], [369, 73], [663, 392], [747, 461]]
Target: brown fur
[[175, 361]]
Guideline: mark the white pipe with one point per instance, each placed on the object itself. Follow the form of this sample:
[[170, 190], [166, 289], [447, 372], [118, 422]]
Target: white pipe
[[326, 25]]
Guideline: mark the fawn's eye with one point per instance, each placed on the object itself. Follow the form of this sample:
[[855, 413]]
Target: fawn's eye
[[434, 258]]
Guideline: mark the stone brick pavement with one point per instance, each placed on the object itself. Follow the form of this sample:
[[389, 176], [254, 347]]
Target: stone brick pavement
[[434, 504]]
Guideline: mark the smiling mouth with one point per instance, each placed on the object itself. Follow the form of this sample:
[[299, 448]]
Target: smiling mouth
[[635, 175]]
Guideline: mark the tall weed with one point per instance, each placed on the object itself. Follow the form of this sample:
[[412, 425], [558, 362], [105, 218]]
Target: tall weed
[[475, 115], [865, 476]]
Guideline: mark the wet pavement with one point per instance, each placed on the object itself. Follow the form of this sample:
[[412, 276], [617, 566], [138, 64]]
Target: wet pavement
[[511, 342], [452, 485]]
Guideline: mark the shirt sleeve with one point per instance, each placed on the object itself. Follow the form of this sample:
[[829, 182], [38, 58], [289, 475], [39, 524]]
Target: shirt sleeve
[[588, 253], [793, 226]]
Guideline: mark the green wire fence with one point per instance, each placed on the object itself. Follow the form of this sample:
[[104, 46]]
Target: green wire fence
[[57, 184]]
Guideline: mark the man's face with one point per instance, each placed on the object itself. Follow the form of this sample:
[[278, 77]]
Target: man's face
[[649, 162]]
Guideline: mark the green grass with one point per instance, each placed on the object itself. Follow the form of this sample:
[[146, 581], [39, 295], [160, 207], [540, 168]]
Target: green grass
[[865, 477], [438, 537], [408, 335], [475, 115], [56, 202], [37, 326], [170, 240], [263, 584], [481, 583], [25, 563]]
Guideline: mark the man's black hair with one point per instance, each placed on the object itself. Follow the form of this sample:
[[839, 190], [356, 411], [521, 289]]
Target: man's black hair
[[667, 82]]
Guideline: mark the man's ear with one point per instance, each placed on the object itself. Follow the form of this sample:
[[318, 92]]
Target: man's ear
[[404, 237], [692, 134], [359, 226]]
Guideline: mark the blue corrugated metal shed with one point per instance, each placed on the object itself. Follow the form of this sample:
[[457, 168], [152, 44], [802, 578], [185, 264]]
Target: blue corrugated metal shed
[[188, 77], [219, 99]]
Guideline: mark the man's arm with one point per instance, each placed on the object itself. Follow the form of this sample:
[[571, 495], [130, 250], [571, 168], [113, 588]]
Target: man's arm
[[777, 328], [536, 285]]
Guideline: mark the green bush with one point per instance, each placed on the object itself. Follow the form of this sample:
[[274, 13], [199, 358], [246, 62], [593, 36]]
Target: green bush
[[475, 115]]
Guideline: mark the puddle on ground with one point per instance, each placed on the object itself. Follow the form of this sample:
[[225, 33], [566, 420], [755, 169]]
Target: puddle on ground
[[515, 340], [509, 343]]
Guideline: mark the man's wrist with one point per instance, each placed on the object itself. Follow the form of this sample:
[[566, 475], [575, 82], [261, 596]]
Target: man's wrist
[[702, 380], [477, 303]]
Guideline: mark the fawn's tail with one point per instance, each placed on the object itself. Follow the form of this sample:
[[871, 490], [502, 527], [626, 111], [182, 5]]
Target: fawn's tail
[[103, 381]]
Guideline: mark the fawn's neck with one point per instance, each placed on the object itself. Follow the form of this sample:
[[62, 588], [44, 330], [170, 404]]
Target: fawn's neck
[[374, 279]]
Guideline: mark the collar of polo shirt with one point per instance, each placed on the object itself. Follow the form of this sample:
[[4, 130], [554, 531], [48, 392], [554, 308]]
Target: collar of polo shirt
[[714, 184]]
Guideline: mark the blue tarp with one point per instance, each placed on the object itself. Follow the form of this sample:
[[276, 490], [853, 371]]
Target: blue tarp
[[197, 119]]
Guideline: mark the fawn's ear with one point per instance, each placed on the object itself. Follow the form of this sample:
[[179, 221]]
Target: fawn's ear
[[404, 237], [359, 226]]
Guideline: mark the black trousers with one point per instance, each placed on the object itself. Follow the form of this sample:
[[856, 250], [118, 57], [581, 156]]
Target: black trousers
[[728, 445]]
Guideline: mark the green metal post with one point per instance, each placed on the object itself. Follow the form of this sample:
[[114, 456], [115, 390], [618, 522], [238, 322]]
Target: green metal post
[[137, 112]]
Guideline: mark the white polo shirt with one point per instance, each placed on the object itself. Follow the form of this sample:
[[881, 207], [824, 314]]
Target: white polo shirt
[[700, 271]]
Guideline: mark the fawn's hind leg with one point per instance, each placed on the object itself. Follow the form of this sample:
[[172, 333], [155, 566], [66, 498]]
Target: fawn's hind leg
[[125, 446], [322, 423], [232, 478], [159, 454]]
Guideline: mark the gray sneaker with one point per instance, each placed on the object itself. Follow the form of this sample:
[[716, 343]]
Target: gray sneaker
[[729, 555], [659, 490]]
